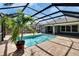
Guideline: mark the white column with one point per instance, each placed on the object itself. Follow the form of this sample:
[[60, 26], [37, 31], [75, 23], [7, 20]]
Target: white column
[[54, 30], [71, 28]]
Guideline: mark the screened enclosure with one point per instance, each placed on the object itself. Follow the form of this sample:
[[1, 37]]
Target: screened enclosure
[[44, 12], [56, 14]]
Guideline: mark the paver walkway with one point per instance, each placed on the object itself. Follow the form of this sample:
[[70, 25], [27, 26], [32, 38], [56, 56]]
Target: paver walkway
[[61, 46]]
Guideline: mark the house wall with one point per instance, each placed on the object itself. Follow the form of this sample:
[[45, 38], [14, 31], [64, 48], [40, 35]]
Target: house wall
[[70, 29], [65, 24], [42, 29]]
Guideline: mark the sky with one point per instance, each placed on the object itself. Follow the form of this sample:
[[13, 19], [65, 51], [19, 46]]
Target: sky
[[38, 7]]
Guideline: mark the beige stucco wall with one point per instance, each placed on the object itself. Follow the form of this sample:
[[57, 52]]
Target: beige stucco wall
[[72, 23]]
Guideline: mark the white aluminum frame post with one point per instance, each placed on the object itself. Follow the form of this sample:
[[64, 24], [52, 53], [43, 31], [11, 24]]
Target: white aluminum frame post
[[54, 30]]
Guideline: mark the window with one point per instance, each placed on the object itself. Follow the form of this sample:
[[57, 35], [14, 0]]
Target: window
[[62, 28], [74, 28], [68, 28]]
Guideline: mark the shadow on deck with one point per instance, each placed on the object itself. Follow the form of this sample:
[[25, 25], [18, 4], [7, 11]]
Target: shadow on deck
[[16, 53]]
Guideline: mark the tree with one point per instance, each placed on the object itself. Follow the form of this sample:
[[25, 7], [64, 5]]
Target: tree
[[18, 24]]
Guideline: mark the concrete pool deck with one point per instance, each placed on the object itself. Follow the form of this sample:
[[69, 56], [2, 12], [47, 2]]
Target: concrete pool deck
[[61, 46]]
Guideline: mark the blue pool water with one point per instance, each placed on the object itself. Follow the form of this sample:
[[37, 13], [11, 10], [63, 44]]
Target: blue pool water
[[32, 40]]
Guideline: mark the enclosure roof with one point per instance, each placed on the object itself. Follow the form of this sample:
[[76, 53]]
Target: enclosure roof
[[44, 13]]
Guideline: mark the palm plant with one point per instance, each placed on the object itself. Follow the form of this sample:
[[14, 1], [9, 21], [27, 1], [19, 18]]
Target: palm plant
[[22, 23], [18, 24], [8, 22]]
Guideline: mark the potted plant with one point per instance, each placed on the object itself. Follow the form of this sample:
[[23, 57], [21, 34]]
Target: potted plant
[[17, 25]]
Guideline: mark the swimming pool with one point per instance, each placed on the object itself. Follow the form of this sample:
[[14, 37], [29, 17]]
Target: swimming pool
[[32, 40]]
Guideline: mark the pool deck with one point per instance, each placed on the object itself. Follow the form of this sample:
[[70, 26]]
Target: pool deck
[[61, 46]]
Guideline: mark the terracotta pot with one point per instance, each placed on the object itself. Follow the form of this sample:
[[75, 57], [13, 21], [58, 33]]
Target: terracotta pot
[[20, 44]]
